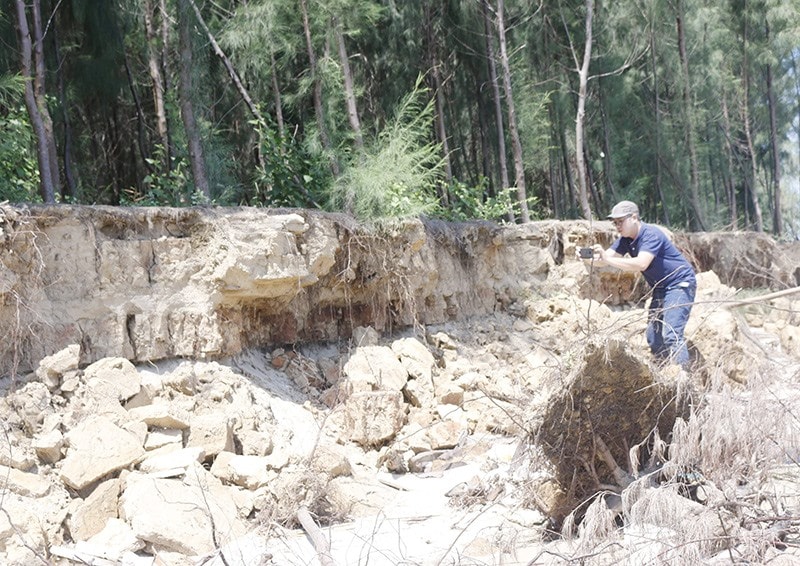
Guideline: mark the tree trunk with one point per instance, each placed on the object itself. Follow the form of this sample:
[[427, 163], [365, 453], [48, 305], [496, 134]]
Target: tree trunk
[[777, 217], [730, 186], [745, 109], [35, 107], [694, 186], [657, 133], [140, 119], [154, 69], [69, 193], [276, 94], [234, 76], [41, 91], [502, 161], [349, 87], [318, 109], [516, 144], [196, 156], [437, 87], [608, 170], [583, 76]]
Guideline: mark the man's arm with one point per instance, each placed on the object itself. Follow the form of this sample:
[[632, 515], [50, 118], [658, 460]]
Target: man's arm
[[610, 257], [639, 263]]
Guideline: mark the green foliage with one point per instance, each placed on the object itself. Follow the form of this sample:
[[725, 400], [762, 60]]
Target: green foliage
[[475, 203], [162, 188], [396, 177], [290, 175], [19, 175]]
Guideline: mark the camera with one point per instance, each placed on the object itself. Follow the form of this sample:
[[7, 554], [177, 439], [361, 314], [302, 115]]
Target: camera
[[586, 253]]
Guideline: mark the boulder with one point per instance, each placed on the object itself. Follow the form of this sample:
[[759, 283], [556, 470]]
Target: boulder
[[52, 368], [98, 447], [119, 372], [88, 516], [371, 418], [177, 516]]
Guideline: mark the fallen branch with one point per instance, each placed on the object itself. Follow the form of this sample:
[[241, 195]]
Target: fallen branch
[[321, 544]]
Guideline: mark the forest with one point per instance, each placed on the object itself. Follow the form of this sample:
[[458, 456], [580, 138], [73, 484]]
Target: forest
[[508, 110]]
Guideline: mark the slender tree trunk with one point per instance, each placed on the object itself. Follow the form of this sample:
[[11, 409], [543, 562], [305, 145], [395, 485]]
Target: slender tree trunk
[[226, 62], [276, 95], [437, 86], [583, 77], [154, 69], [777, 217], [502, 161], [745, 109], [730, 186], [516, 144], [196, 156], [41, 91], [69, 192], [140, 119], [608, 171], [349, 86], [318, 109], [34, 106], [657, 133], [694, 186]]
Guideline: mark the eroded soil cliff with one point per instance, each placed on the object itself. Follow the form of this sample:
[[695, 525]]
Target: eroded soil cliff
[[186, 386]]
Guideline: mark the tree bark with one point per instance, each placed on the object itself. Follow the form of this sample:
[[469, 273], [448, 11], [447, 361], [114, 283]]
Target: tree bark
[[502, 162], [516, 144], [153, 67], [196, 155], [583, 78], [69, 193], [226, 62], [41, 91], [729, 184], [694, 185], [319, 113], [35, 106], [777, 217], [745, 109], [657, 134], [435, 65], [349, 87]]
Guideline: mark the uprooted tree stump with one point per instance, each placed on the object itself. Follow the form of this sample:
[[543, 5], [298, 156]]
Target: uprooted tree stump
[[610, 415]]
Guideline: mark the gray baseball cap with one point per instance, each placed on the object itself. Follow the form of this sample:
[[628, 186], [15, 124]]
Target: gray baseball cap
[[624, 208]]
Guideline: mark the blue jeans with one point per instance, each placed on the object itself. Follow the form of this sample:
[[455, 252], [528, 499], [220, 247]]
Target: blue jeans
[[669, 313]]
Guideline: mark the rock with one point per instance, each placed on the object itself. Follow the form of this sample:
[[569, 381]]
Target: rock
[[90, 515], [32, 402], [254, 443], [52, 368], [365, 336], [377, 366], [23, 483], [370, 419], [159, 437], [161, 415], [213, 433], [445, 434], [250, 472], [172, 460], [173, 516], [22, 539], [119, 372], [112, 543], [48, 446], [98, 447], [415, 357]]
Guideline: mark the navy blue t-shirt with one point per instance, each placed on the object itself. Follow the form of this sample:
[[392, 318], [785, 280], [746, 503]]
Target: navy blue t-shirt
[[668, 268]]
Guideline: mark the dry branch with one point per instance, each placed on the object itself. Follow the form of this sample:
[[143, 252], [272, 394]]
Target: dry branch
[[321, 544]]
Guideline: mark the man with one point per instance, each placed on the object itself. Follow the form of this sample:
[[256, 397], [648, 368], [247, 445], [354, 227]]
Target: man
[[647, 248]]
